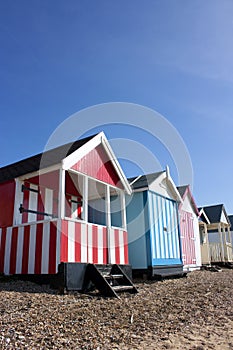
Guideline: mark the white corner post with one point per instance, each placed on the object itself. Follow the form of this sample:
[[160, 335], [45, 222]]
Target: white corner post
[[108, 222], [123, 210], [85, 199], [221, 243], [18, 201], [61, 208]]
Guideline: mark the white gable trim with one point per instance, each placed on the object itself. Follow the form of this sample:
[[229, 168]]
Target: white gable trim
[[40, 172], [202, 212], [77, 155], [169, 183], [74, 157], [223, 218], [173, 186]]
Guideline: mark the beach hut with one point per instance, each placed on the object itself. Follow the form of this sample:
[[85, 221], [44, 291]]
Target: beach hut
[[219, 237], [64, 210], [153, 226], [203, 221], [189, 230], [230, 217]]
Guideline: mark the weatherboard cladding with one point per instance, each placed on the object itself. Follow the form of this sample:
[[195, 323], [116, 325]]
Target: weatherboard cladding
[[164, 230], [38, 243], [153, 229], [189, 229], [38, 248], [97, 165]]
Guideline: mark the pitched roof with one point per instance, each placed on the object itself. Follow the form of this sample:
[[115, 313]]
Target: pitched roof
[[143, 181], [214, 212], [182, 190], [230, 217], [41, 160]]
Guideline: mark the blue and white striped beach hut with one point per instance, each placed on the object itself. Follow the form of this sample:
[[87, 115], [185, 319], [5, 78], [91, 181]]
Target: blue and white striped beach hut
[[153, 225]]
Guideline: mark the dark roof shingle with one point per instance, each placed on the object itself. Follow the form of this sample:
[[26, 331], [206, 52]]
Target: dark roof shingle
[[214, 212], [41, 160], [182, 189], [144, 180]]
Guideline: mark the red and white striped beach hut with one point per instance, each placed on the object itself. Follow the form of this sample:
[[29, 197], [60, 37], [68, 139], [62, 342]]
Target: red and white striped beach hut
[[66, 205], [189, 230]]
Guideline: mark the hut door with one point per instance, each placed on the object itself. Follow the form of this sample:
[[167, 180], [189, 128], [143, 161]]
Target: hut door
[[188, 239]]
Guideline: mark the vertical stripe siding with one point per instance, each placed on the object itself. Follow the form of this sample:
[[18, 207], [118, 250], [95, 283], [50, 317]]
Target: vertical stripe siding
[[126, 256], [112, 253], [164, 232], [13, 253], [152, 220], [29, 249], [100, 245], [64, 241], [121, 247], [45, 248], [89, 246], [84, 243], [176, 232], [165, 227], [95, 244], [105, 246], [58, 242], [78, 242], [158, 244], [71, 241], [170, 231], [7, 251], [32, 249], [2, 249], [187, 233], [52, 248], [160, 233], [19, 256], [38, 249], [117, 248]]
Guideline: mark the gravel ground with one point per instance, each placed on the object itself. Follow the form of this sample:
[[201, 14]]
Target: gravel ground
[[186, 313]]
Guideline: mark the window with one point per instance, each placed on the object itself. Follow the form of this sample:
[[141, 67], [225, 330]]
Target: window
[[36, 202], [96, 202], [74, 196], [115, 207]]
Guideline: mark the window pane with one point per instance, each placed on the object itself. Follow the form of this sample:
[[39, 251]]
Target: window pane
[[115, 207], [74, 196], [96, 202]]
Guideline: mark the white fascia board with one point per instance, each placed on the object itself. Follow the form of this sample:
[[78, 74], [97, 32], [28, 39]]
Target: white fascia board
[[174, 189], [202, 212], [73, 158], [40, 172], [143, 189], [116, 164]]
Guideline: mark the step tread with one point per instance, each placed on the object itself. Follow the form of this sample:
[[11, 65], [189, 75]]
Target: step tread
[[113, 276], [121, 288]]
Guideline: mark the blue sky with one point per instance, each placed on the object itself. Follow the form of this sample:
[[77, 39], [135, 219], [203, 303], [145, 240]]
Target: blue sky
[[175, 57]]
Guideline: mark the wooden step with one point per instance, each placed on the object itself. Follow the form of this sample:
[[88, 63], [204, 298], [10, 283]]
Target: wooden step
[[122, 288], [110, 276]]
